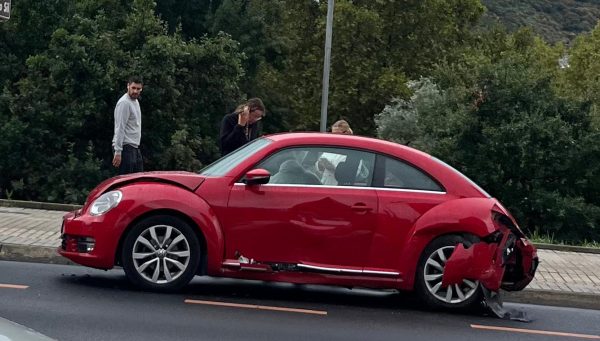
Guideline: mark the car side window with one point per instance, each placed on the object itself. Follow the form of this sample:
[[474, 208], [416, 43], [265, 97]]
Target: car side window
[[346, 167], [320, 166], [287, 167], [398, 174]]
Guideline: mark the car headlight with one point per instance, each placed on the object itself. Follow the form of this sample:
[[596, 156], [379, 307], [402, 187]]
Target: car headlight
[[106, 202]]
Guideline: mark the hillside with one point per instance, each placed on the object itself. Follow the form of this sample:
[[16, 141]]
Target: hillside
[[555, 20]]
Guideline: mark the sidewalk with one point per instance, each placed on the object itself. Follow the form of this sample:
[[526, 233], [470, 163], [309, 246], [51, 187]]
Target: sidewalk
[[564, 278]]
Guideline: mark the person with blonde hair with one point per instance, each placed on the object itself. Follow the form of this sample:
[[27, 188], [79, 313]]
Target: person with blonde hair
[[327, 161], [241, 126], [341, 127]]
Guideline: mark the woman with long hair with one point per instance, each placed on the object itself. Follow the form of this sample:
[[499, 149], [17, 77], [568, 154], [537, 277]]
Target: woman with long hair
[[241, 126]]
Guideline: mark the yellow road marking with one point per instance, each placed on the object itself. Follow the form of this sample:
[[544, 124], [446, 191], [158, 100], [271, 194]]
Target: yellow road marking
[[260, 307], [13, 286], [533, 331]]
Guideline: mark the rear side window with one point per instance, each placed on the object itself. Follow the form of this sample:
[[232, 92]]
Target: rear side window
[[401, 175]]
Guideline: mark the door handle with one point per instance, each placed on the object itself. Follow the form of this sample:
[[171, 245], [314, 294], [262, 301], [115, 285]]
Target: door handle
[[361, 207]]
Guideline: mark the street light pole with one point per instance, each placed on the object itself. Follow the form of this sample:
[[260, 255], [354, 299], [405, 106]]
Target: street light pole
[[326, 62]]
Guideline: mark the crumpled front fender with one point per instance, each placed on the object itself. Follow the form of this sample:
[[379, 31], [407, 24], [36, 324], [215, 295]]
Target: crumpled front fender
[[509, 264]]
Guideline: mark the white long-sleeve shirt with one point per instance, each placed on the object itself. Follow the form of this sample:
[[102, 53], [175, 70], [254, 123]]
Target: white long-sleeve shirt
[[128, 123]]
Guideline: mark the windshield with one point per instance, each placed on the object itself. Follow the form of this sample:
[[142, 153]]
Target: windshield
[[228, 162], [463, 176]]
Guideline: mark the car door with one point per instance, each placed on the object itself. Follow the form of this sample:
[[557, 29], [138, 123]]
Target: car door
[[293, 219]]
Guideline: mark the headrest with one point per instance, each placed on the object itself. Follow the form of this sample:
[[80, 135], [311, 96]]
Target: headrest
[[345, 174]]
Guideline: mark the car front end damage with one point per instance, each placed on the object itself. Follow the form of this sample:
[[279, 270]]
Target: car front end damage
[[504, 259], [82, 234], [90, 236]]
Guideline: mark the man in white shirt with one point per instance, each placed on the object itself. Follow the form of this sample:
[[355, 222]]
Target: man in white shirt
[[128, 129]]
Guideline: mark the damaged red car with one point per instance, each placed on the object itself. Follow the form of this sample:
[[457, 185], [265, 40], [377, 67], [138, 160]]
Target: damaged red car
[[307, 208]]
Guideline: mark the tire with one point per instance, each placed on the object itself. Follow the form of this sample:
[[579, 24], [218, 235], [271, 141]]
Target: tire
[[429, 277], [161, 253]]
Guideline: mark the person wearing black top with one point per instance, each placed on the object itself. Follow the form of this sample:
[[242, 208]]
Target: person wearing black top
[[241, 126]]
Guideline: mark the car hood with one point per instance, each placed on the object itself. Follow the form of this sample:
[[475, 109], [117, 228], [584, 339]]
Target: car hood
[[187, 180]]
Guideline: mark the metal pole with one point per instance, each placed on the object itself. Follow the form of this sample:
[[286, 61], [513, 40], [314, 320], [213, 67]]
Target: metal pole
[[326, 62]]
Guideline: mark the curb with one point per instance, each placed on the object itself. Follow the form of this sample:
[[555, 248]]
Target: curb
[[38, 205], [32, 254], [553, 298], [567, 248]]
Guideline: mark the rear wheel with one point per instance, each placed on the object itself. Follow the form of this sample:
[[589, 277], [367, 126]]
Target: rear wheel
[[161, 253], [431, 270]]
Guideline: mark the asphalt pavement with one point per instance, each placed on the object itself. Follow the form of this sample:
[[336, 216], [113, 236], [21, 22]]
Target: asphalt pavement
[[567, 276], [77, 303]]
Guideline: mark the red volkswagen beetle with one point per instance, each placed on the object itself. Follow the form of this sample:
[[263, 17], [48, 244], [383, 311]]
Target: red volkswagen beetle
[[307, 208]]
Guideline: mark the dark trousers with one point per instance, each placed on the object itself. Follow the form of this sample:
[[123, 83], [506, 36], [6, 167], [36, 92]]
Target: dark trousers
[[131, 160]]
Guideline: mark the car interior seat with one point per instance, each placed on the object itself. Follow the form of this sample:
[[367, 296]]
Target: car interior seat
[[345, 173], [290, 172]]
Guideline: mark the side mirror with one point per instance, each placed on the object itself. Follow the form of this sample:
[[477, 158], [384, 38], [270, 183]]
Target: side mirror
[[257, 177]]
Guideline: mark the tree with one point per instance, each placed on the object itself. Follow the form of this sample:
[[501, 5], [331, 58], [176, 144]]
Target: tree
[[400, 121], [580, 79], [506, 124], [57, 120], [417, 34], [192, 17], [377, 46]]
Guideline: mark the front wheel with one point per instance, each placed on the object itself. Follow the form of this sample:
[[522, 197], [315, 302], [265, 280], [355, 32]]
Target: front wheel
[[431, 270], [161, 253]]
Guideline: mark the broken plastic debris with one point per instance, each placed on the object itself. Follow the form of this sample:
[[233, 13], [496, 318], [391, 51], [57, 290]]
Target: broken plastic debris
[[493, 302], [244, 260]]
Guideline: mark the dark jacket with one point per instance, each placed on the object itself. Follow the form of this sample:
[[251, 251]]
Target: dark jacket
[[233, 135]]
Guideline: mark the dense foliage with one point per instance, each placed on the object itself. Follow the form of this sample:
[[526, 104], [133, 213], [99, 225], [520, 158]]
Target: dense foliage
[[555, 20], [64, 77], [503, 117], [496, 105]]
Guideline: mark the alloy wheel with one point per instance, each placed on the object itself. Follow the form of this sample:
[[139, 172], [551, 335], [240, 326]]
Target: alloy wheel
[[161, 254]]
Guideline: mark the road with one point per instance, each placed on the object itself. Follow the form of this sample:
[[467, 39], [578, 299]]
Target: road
[[76, 303]]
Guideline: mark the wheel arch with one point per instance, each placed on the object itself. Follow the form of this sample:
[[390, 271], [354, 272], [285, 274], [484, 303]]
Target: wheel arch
[[449, 218], [164, 199]]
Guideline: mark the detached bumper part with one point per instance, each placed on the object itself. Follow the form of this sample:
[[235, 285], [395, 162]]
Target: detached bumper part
[[493, 302], [509, 264], [474, 263]]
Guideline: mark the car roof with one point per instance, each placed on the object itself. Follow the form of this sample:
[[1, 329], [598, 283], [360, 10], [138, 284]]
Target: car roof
[[317, 138]]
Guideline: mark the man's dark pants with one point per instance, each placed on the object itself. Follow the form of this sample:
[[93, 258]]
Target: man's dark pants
[[131, 160]]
